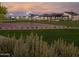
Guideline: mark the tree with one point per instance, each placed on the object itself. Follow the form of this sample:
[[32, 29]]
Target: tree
[[3, 10]]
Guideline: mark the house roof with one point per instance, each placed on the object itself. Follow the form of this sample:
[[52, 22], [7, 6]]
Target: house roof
[[72, 13], [21, 13], [53, 14], [35, 14]]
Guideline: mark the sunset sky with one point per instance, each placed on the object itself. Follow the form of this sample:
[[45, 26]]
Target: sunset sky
[[42, 7]]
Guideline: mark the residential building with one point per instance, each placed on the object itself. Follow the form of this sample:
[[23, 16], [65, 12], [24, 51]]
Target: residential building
[[72, 15]]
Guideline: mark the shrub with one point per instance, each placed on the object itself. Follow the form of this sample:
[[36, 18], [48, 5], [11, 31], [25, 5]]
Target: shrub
[[34, 46], [62, 48]]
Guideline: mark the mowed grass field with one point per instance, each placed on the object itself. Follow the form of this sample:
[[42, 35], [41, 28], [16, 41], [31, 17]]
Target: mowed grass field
[[68, 22], [69, 35]]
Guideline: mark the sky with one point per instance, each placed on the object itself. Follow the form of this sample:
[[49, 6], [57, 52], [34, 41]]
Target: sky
[[42, 7]]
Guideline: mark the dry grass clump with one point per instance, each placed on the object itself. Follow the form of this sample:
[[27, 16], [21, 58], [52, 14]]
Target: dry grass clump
[[62, 48], [33, 45]]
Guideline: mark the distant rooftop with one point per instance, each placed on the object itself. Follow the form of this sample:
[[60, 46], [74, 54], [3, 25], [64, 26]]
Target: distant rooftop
[[72, 13], [18, 13], [28, 13]]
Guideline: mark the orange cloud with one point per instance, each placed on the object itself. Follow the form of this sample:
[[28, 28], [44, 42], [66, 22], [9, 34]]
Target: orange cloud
[[34, 7]]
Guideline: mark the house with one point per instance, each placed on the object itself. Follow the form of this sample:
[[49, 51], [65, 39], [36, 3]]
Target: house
[[71, 15], [52, 16], [38, 16]]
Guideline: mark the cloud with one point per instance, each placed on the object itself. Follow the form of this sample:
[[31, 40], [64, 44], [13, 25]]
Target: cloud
[[42, 7], [35, 7]]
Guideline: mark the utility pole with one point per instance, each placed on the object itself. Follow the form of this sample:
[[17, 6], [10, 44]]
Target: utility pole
[[0, 4]]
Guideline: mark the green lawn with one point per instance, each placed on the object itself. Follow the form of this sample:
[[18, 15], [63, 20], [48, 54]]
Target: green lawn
[[48, 35]]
